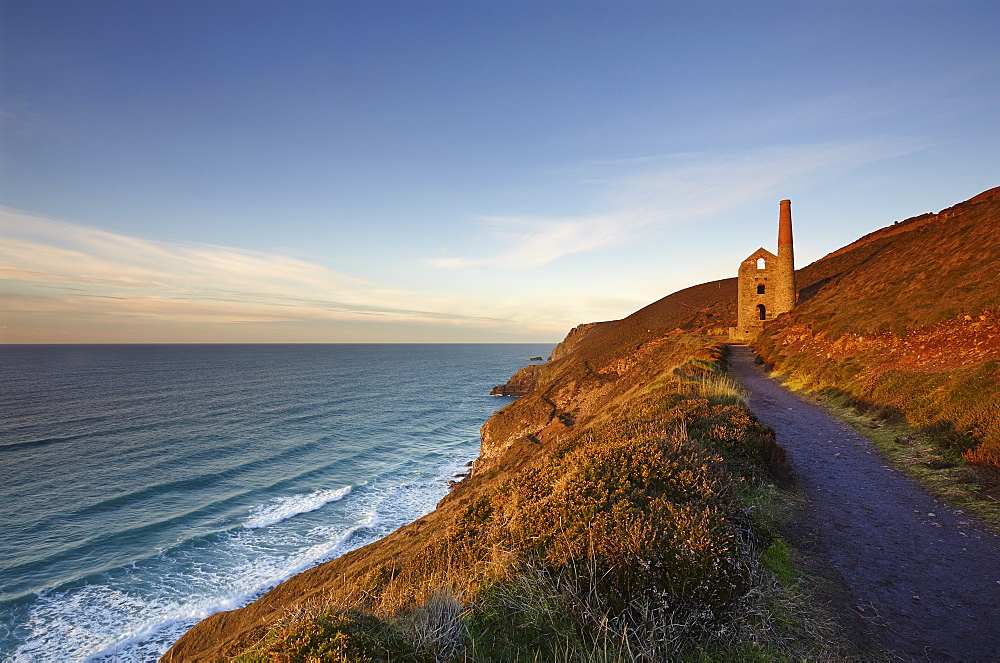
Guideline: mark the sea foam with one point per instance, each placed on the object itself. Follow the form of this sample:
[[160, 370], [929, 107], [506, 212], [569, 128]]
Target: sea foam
[[283, 508]]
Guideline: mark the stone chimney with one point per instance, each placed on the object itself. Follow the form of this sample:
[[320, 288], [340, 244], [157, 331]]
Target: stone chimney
[[784, 225], [784, 278]]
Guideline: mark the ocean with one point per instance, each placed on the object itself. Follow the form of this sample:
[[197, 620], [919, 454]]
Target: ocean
[[145, 487]]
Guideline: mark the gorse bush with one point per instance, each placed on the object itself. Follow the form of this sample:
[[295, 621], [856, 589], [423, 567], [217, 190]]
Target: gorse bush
[[327, 634], [637, 508]]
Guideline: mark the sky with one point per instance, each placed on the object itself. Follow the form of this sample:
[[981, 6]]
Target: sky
[[457, 171]]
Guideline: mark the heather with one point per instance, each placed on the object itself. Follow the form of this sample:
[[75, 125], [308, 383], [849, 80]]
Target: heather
[[901, 331], [637, 535]]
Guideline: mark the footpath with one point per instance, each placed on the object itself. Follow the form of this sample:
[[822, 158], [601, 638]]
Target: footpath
[[922, 577]]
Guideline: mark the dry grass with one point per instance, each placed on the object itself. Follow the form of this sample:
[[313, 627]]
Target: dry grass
[[634, 541], [695, 381], [435, 626], [985, 454]]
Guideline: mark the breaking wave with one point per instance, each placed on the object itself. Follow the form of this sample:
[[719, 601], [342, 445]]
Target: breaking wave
[[283, 508]]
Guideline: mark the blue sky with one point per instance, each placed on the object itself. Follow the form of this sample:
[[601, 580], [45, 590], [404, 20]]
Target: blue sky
[[211, 171]]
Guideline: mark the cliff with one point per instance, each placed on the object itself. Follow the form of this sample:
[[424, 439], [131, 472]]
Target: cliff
[[613, 494], [612, 488]]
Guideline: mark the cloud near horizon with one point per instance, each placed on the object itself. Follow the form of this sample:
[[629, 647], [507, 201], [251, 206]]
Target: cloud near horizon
[[61, 280], [674, 189], [50, 267]]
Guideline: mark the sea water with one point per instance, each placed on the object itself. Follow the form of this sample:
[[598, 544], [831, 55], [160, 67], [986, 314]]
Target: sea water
[[145, 487]]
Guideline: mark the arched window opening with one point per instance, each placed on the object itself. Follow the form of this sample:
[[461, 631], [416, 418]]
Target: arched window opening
[[760, 288], [761, 311], [761, 263]]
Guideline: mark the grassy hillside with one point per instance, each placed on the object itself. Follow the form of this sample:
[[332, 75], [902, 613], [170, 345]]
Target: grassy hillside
[[617, 511], [946, 266], [905, 325], [619, 508]]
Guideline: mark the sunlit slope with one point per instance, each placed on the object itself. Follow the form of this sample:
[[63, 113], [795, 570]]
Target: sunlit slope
[[618, 480], [908, 317]]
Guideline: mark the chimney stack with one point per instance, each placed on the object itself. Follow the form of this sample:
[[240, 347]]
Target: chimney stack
[[785, 225], [785, 291]]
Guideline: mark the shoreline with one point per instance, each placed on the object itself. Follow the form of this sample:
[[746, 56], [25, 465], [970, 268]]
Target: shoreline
[[267, 508]]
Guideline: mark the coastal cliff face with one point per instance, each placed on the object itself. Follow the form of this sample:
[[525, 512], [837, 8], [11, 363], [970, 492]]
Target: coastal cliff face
[[626, 461], [520, 383], [626, 458], [559, 394], [573, 338]]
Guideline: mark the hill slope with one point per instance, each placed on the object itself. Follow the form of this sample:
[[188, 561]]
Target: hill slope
[[627, 462], [607, 505], [908, 318]]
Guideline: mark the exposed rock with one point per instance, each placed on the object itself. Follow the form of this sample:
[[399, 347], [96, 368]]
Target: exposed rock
[[519, 384]]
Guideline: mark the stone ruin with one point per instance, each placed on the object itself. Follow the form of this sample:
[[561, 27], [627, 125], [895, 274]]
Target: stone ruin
[[766, 283]]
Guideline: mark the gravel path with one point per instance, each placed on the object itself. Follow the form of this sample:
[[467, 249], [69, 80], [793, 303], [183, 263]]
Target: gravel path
[[924, 576]]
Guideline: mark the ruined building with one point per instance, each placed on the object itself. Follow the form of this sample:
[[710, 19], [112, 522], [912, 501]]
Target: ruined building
[[766, 284]]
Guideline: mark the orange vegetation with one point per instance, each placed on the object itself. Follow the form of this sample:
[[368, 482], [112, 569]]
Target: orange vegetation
[[907, 318], [605, 511]]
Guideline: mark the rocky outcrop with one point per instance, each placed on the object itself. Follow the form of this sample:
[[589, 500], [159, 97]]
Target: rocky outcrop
[[520, 383], [573, 339]]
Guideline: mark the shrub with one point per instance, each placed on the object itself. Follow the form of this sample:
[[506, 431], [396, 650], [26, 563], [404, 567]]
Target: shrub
[[640, 505], [890, 414], [985, 454], [327, 635], [945, 436]]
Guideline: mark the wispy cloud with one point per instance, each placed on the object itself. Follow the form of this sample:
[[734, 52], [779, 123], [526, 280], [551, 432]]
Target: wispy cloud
[[54, 267], [64, 282], [670, 190]]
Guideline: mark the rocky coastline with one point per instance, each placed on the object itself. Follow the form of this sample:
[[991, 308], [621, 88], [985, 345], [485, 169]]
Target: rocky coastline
[[630, 461]]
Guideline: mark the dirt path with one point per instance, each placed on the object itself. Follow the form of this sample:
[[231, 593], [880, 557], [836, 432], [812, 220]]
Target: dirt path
[[926, 575]]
